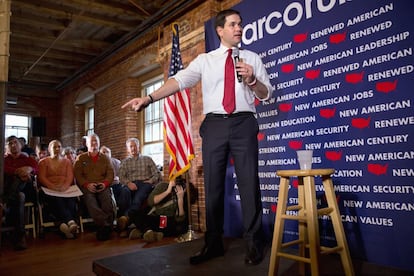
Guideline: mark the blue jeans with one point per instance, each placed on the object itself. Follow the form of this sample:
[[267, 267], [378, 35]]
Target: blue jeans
[[130, 202], [16, 193]]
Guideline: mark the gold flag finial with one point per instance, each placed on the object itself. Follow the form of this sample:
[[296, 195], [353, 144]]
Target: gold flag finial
[[173, 27]]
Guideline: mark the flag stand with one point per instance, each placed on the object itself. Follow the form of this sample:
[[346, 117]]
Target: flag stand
[[190, 235]]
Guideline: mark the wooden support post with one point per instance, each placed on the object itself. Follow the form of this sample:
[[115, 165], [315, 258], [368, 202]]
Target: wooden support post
[[5, 11]]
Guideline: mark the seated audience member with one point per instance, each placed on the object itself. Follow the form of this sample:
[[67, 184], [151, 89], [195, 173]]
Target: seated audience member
[[138, 174], [42, 151], [69, 153], [116, 163], [94, 174], [56, 173], [167, 216], [83, 147], [18, 188], [25, 148]]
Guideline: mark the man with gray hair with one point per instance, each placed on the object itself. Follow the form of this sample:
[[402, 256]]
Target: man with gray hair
[[138, 175], [94, 175]]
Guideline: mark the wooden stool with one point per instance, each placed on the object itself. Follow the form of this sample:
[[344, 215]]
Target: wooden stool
[[308, 222]]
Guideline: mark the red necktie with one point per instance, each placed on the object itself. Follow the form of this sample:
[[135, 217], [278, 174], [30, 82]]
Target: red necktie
[[229, 101]]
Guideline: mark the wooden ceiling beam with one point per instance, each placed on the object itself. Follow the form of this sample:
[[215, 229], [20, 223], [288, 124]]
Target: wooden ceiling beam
[[38, 22], [21, 63], [139, 7], [48, 71], [24, 60], [40, 79], [88, 47], [29, 90], [59, 54], [71, 13], [110, 8], [107, 21], [56, 54]]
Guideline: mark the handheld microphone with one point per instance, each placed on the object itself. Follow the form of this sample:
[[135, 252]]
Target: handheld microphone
[[235, 54]]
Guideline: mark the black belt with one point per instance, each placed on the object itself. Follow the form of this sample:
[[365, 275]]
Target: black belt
[[225, 116]]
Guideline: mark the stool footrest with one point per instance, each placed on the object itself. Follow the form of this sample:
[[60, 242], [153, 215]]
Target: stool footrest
[[324, 211], [294, 217], [48, 224], [293, 257], [290, 243], [294, 208], [329, 250]]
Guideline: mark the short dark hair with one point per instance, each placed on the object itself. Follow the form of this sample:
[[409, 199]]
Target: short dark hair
[[11, 137], [221, 17]]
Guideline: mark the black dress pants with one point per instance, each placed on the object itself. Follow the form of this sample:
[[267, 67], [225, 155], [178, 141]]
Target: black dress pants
[[232, 136]]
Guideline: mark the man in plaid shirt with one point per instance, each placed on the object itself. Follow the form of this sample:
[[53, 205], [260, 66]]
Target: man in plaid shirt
[[138, 175]]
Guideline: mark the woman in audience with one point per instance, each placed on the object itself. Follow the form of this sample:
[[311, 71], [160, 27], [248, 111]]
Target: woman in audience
[[69, 153], [56, 173]]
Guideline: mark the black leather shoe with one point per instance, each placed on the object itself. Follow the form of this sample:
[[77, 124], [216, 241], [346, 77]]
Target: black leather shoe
[[254, 255], [103, 233], [207, 253], [21, 244]]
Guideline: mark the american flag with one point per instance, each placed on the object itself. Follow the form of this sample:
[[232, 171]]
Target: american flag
[[177, 118]]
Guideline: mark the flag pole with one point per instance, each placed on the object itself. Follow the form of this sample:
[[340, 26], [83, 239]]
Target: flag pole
[[190, 235]]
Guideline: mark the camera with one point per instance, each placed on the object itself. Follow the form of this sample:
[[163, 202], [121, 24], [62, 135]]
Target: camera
[[181, 182], [99, 186]]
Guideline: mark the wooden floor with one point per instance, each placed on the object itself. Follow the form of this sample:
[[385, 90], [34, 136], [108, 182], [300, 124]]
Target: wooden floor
[[53, 255]]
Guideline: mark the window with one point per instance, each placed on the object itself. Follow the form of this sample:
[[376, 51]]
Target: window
[[90, 120], [153, 144], [17, 125]]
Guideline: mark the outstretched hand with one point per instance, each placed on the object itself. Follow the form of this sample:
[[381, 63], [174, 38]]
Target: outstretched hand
[[136, 104]]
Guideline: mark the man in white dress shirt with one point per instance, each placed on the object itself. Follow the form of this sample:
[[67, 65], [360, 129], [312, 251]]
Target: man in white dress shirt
[[237, 136]]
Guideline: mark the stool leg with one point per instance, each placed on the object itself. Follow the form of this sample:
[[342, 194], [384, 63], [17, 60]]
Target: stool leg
[[279, 226], [302, 225], [312, 221], [29, 218], [337, 225], [33, 221], [81, 223]]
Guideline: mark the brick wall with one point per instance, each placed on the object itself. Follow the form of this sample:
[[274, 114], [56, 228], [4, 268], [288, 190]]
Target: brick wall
[[112, 123]]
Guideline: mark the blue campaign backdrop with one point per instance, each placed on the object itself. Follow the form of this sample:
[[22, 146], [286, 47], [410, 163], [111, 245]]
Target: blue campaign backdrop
[[343, 78]]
